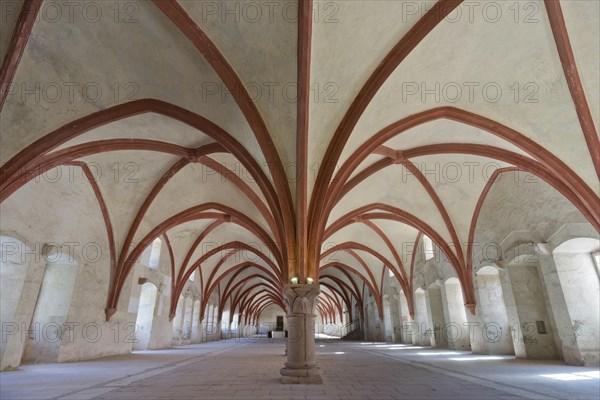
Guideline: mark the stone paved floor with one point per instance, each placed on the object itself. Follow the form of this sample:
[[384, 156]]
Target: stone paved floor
[[350, 370]]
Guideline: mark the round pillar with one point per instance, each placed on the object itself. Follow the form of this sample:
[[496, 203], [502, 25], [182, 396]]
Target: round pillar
[[301, 366]]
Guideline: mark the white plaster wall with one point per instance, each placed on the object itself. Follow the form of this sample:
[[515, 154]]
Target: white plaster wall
[[529, 306], [64, 205], [51, 313], [388, 323], [187, 320], [211, 328], [564, 334], [13, 271], [493, 334], [98, 337], [178, 319], [581, 291], [16, 338], [371, 331], [145, 316], [396, 321], [436, 321], [196, 322], [161, 326], [332, 329], [455, 315], [406, 320], [421, 320], [519, 201]]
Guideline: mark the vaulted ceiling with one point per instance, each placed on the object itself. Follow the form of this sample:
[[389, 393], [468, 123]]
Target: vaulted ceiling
[[270, 140]]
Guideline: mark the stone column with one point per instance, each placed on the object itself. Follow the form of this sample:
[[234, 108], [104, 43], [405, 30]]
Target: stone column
[[301, 366], [406, 320], [179, 321], [241, 327], [395, 316], [388, 323], [219, 329], [455, 315], [201, 329], [435, 311], [205, 323]]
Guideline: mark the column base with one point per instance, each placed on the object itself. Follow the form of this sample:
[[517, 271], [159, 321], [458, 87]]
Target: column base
[[296, 376]]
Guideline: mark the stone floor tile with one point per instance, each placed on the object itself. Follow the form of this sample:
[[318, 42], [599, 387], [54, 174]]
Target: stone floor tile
[[229, 370]]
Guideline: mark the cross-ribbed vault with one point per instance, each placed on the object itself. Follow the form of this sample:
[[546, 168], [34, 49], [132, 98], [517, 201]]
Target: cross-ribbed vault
[[313, 142]]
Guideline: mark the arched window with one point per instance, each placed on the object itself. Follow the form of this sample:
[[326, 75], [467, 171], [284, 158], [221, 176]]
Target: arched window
[[192, 276], [427, 247], [155, 253]]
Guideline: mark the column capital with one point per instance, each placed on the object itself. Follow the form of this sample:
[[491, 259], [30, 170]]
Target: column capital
[[300, 299]]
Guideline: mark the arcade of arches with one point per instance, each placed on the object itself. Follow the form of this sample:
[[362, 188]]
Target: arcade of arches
[[178, 172]]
